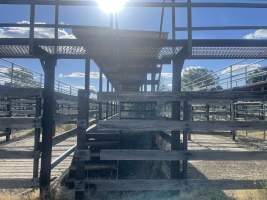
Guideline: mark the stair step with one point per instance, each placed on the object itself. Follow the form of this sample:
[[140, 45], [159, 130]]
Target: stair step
[[106, 131], [101, 143], [103, 136], [97, 167], [101, 167]]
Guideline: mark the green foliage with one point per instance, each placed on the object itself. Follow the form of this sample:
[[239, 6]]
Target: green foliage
[[257, 75], [197, 78], [21, 77]]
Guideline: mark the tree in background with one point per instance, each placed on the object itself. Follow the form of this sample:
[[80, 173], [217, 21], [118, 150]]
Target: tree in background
[[20, 77], [197, 78], [194, 78], [257, 75]]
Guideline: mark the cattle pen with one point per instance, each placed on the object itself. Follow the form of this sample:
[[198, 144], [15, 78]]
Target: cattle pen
[[130, 125]]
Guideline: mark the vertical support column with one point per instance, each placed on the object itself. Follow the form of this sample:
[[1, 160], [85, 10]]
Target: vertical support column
[[233, 118], [264, 116], [87, 83], [153, 85], [37, 133], [48, 125], [32, 21], [81, 142], [186, 132], [208, 112], [175, 134], [231, 76], [189, 26], [107, 104], [9, 114], [56, 23], [100, 91]]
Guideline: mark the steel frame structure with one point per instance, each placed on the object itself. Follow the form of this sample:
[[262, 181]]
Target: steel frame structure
[[49, 50]]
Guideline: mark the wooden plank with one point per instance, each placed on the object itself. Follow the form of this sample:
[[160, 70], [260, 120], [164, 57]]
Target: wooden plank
[[15, 154], [166, 125], [19, 122], [174, 185], [158, 155], [20, 93], [198, 96]]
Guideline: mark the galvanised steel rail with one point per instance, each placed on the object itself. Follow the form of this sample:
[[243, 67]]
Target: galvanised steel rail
[[235, 75], [15, 75]]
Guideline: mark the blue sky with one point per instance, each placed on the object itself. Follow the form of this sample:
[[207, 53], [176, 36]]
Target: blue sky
[[136, 18]]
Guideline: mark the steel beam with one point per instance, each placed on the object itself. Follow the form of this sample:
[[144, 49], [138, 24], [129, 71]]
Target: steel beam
[[48, 125]]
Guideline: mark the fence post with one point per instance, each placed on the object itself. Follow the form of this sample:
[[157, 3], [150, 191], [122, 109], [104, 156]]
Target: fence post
[[37, 132], [176, 108], [232, 108], [12, 74], [83, 103], [8, 108], [208, 112], [186, 135], [231, 76]]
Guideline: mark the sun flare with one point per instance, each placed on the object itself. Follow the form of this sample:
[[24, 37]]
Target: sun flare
[[111, 6]]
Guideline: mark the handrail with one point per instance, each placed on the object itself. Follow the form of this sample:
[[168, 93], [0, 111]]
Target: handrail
[[37, 79]]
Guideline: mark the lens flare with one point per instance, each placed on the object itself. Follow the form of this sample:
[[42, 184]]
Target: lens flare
[[111, 6]]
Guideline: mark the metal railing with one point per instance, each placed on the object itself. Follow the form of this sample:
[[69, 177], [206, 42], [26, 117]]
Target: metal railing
[[15, 75], [235, 75]]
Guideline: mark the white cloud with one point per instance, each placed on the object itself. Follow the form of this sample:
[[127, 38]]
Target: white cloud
[[23, 32], [92, 87], [167, 76], [93, 75], [258, 34], [72, 75], [235, 68], [4, 70], [187, 69]]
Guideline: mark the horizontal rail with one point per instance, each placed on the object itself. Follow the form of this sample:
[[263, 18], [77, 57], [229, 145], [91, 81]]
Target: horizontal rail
[[19, 122], [174, 185], [190, 96], [15, 154], [60, 138], [63, 156], [20, 93], [196, 28], [163, 125], [158, 155]]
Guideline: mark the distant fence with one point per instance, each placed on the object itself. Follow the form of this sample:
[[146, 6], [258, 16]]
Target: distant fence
[[232, 76], [15, 75]]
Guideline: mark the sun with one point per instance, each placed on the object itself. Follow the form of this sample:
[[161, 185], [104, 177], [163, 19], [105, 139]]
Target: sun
[[111, 6]]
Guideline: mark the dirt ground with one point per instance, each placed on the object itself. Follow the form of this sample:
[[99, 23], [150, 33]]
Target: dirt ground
[[211, 170]]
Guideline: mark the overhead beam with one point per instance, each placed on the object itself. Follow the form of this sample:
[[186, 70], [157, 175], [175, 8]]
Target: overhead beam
[[139, 4]]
